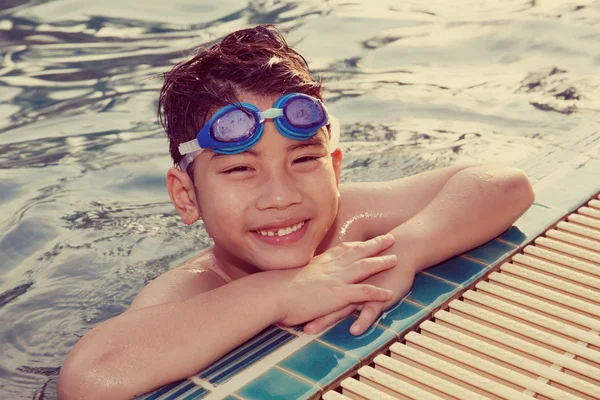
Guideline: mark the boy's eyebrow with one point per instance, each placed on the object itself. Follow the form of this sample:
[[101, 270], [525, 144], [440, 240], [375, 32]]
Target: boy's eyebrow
[[313, 141]]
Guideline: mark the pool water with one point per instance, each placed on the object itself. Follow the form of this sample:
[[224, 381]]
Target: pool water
[[85, 217]]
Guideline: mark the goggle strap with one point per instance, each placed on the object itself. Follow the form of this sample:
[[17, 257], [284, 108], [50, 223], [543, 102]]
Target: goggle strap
[[334, 140], [271, 113], [188, 147], [188, 159]]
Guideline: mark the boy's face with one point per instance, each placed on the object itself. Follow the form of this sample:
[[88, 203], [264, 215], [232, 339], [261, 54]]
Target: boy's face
[[250, 202]]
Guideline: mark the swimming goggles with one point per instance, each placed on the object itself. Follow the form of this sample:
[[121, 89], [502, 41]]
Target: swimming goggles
[[235, 128]]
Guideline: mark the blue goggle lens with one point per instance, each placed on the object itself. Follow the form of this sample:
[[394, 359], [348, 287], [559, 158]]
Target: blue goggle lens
[[304, 113], [233, 126]]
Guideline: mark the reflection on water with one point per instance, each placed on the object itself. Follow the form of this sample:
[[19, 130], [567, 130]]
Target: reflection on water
[[86, 220]]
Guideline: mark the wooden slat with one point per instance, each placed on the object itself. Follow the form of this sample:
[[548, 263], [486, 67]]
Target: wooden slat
[[554, 269], [359, 390], [584, 220], [390, 384], [537, 319], [404, 370], [333, 395], [487, 367], [538, 305], [512, 281], [579, 229], [517, 344], [568, 249], [461, 374], [564, 286], [512, 359], [566, 237], [555, 257], [589, 212], [526, 330]]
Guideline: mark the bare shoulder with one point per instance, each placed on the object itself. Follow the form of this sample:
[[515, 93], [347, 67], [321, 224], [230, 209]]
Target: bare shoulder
[[193, 277]]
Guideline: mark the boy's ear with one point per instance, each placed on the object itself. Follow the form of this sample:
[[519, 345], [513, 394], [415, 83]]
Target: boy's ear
[[336, 158], [183, 195]]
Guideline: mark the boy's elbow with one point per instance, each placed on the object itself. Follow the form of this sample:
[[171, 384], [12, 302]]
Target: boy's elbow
[[508, 188], [71, 381], [519, 190], [81, 378]]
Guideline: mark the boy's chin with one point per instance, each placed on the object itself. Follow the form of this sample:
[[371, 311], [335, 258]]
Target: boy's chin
[[284, 263]]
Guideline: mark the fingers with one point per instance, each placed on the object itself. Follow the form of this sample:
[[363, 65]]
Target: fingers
[[319, 324], [359, 250], [369, 313], [361, 293], [362, 269]]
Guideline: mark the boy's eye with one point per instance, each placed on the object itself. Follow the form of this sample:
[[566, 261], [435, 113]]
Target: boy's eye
[[240, 168], [306, 159]]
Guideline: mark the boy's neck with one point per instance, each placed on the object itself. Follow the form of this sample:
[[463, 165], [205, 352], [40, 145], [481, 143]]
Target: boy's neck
[[234, 267]]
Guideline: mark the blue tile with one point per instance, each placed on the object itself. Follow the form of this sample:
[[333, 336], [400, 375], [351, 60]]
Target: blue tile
[[198, 394], [187, 391], [359, 346], [319, 363], [430, 291], [186, 387], [299, 328], [255, 349], [492, 252], [515, 235], [165, 389], [276, 384], [532, 223], [458, 270], [402, 316]]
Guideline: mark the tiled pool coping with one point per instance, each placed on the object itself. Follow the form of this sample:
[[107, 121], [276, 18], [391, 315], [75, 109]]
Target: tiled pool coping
[[290, 364]]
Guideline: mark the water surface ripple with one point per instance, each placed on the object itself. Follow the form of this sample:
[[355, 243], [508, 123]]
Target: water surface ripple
[[85, 218]]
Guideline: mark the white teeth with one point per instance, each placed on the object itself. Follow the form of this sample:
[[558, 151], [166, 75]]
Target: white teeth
[[282, 231]]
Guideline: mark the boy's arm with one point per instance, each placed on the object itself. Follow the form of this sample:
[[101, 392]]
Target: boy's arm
[[145, 348], [461, 208], [474, 206]]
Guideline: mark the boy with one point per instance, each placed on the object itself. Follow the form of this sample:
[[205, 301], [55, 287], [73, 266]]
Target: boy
[[257, 161]]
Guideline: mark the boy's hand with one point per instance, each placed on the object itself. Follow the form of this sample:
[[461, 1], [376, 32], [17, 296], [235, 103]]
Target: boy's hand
[[329, 282], [398, 280]]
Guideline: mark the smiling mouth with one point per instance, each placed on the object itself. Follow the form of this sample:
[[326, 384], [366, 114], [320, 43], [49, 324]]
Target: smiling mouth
[[281, 231]]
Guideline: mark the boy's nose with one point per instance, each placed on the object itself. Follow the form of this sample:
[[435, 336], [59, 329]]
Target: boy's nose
[[278, 192]]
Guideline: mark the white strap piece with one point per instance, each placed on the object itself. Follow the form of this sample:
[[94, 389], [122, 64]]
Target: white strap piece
[[188, 147], [271, 113], [187, 159], [334, 140]]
